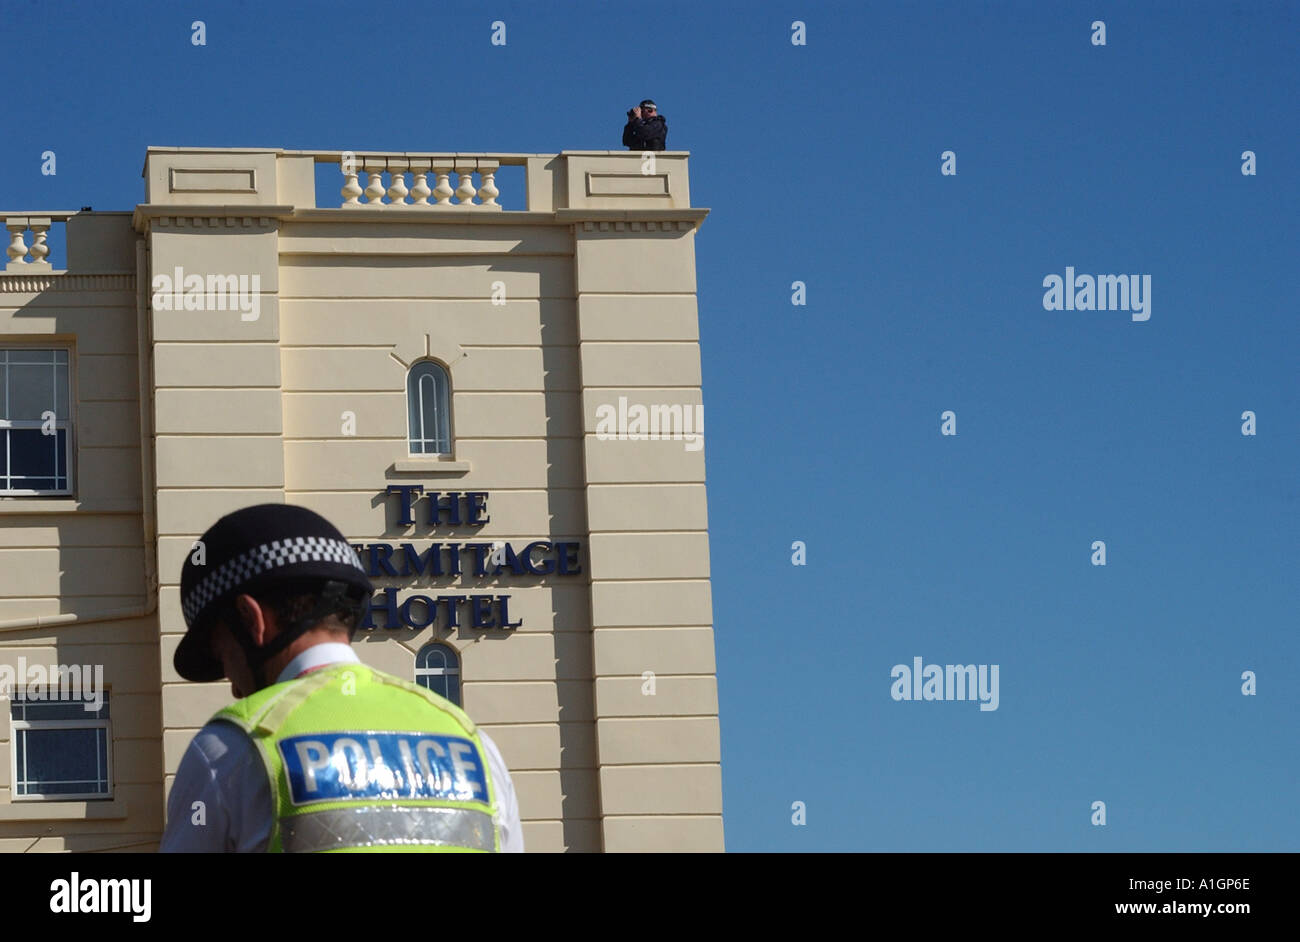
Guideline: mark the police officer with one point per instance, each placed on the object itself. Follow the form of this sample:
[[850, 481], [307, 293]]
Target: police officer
[[646, 129], [320, 752]]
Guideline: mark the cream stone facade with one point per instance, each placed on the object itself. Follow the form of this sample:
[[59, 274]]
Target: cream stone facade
[[291, 385]]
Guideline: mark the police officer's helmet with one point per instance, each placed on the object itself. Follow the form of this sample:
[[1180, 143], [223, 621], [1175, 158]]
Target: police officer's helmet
[[266, 547]]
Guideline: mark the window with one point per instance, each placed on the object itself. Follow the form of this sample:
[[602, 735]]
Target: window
[[438, 668], [428, 408], [61, 749], [35, 422]]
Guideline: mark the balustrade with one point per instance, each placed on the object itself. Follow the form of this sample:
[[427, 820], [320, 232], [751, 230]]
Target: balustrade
[[395, 195], [19, 248]]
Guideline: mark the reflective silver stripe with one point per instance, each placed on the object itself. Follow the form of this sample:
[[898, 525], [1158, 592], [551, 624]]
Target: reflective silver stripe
[[369, 826]]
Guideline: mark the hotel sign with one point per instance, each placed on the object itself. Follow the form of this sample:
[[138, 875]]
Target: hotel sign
[[455, 560]]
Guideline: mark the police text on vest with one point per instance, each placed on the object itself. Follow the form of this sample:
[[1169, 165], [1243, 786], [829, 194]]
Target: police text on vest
[[369, 765]]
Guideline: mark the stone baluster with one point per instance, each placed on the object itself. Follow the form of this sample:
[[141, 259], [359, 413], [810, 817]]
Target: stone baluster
[[351, 188], [375, 191], [465, 192], [443, 190], [39, 250], [420, 193], [397, 183], [17, 249], [488, 192]]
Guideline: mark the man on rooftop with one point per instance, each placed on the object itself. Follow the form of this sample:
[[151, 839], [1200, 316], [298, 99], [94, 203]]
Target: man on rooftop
[[646, 129]]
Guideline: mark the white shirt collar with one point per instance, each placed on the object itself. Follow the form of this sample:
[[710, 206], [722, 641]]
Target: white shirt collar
[[318, 655]]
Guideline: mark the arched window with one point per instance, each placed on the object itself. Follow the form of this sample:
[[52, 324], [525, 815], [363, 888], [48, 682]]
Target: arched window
[[428, 409], [438, 668]]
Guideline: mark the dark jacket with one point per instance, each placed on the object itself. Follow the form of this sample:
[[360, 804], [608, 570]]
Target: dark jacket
[[646, 133]]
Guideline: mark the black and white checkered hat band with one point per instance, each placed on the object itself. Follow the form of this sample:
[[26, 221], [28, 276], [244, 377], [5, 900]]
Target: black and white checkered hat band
[[260, 559]]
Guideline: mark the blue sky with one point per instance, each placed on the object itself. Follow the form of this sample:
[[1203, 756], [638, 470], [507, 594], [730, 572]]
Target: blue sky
[[821, 164]]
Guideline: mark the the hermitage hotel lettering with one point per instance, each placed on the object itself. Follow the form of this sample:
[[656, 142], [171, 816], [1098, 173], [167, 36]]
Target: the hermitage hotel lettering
[[488, 560]]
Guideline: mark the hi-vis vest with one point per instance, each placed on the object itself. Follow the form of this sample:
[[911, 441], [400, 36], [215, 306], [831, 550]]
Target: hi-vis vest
[[360, 760]]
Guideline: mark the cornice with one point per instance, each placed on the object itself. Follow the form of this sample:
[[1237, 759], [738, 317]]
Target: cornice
[[207, 216], [167, 216]]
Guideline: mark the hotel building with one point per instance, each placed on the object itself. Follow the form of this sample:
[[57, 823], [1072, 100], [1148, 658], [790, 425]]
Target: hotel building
[[499, 407]]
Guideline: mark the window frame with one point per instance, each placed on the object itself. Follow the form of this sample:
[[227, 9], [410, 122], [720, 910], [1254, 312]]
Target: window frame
[[444, 671], [17, 726], [419, 402], [69, 424]]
